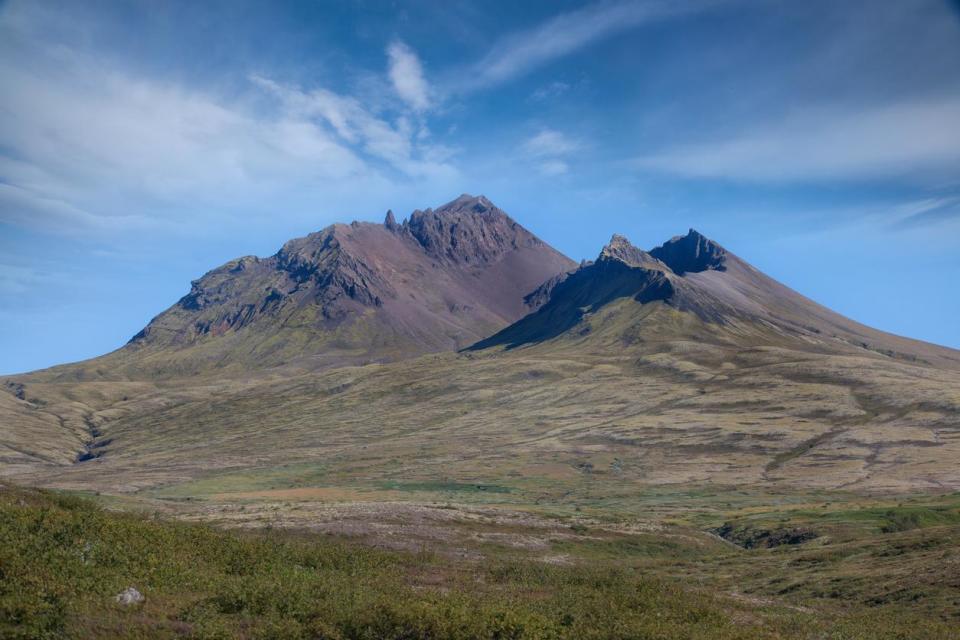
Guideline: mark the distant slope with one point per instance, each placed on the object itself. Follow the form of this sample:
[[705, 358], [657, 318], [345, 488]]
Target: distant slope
[[719, 297], [349, 294]]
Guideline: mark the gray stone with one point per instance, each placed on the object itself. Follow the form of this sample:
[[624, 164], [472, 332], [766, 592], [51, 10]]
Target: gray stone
[[129, 596]]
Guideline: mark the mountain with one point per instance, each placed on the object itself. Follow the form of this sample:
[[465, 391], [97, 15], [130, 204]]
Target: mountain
[[352, 294], [692, 288], [681, 366]]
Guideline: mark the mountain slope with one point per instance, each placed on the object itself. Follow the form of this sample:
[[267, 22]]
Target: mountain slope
[[351, 294], [697, 290]]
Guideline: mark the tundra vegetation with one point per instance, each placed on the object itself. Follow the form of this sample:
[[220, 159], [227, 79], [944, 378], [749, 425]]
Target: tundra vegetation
[[874, 571]]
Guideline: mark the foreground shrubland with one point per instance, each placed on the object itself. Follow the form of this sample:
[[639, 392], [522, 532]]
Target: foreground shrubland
[[64, 559]]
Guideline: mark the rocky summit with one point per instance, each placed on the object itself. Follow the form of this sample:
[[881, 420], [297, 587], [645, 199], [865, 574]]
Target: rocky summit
[[691, 253], [354, 293]]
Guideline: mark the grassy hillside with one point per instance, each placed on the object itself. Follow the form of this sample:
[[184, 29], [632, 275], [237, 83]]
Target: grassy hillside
[[63, 559], [550, 422]]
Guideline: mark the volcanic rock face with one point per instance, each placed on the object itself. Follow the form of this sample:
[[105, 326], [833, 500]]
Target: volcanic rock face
[[539, 296], [468, 231], [691, 253], [390, 222], [619, 249], [360, 292]]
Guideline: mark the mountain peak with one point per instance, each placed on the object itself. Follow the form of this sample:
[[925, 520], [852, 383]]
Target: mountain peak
[[358, 292], [691, 253], [390, 222], [620, 248], [466, 202], [469, 230]]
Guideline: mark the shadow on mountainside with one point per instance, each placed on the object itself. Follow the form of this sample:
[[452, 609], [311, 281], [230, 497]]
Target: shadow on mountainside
[[584, 291]]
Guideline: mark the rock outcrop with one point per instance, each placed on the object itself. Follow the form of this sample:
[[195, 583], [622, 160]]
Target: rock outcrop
[[390, 222], [129, 596], [619, 248], [691, 253]]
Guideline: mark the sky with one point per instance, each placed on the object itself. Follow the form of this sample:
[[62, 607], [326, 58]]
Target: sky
[[144, 143]]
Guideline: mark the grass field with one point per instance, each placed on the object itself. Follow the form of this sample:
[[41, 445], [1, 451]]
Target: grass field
[[873, 571]]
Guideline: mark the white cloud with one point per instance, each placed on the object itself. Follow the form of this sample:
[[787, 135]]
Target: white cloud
[[26, 207], [549, 142], [548, 149], [87, 147], [565, 33], [406, 74], [909, 139], [396, 143], [83, 144], [553, 167]]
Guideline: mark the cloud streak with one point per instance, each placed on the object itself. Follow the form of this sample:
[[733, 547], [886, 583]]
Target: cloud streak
[[87, 147], [81, 144], [928, 212], [566, 33], [917, 139]]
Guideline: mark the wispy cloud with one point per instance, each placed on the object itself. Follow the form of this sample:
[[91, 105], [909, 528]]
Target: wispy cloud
[[566, 33], [548, 150], [397, 143], [30, 206], [550, 91], [83, 144], [549, 142], [406, 74], [553, 167], [87, 146], [909, 139], [930, 211], [19, 279]]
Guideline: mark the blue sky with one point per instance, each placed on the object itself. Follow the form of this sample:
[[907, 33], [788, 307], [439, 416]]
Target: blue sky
[[144, 143]]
